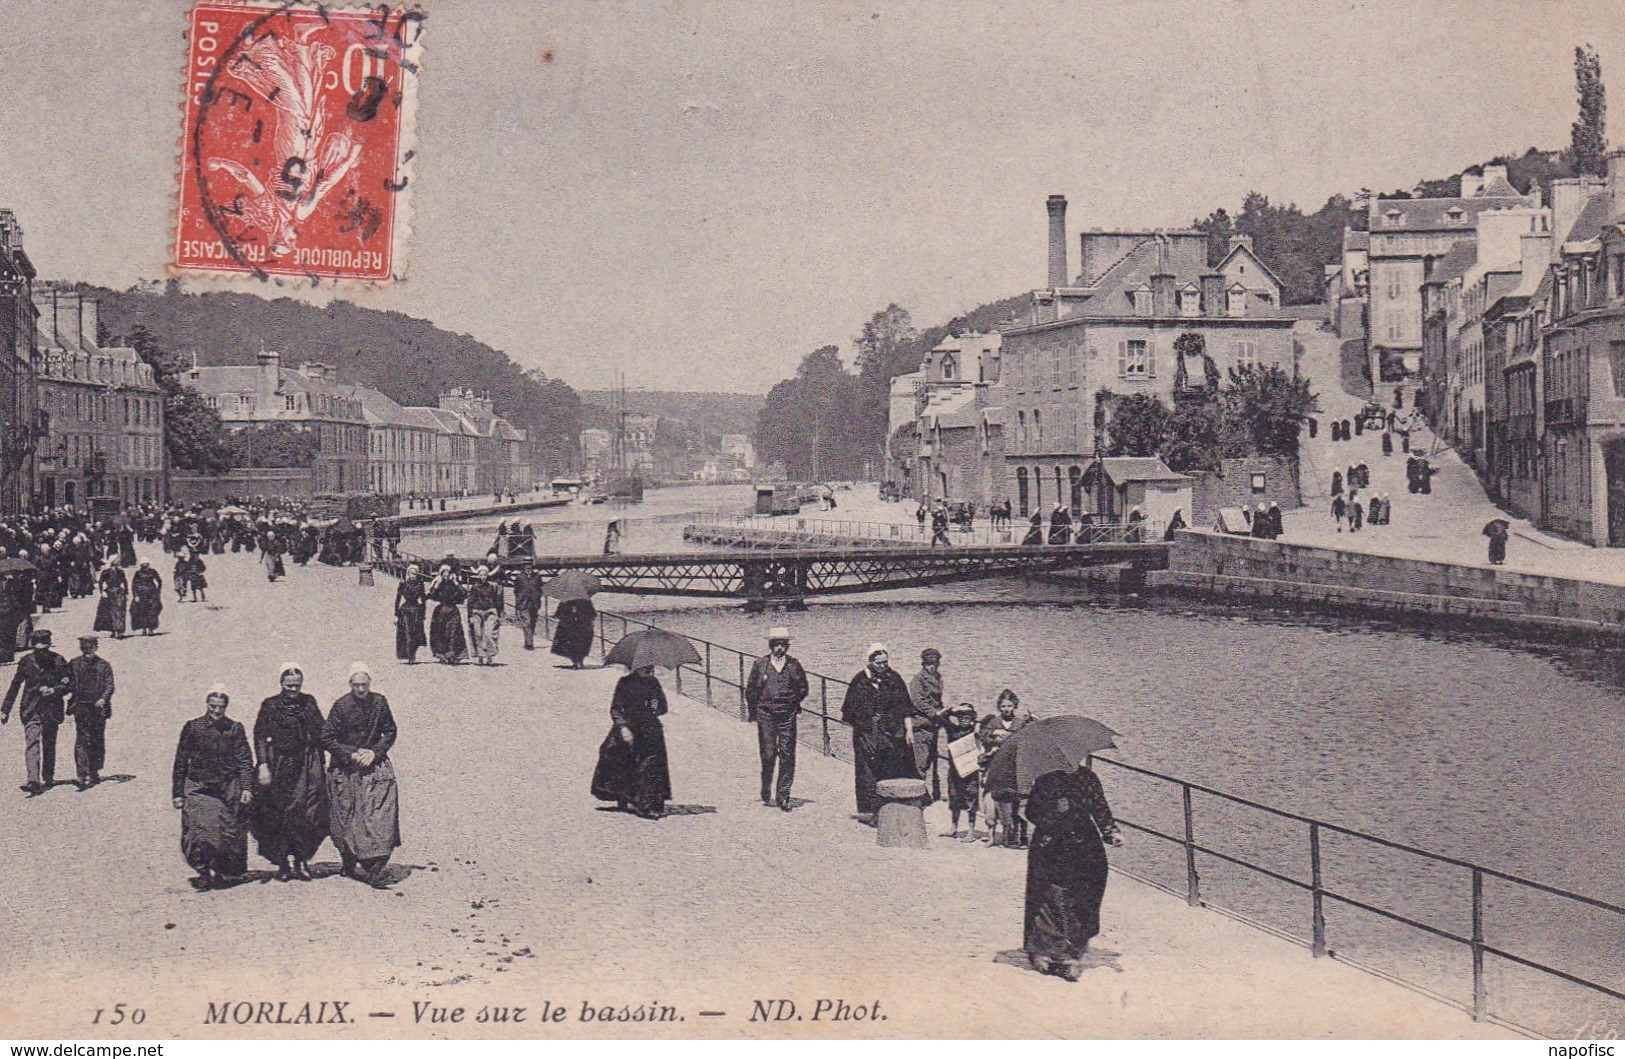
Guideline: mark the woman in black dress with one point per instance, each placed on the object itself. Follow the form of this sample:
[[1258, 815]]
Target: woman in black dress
[[409, 607], [110, 608], [211, 786], [572, 638], [146, 598], [632, 768], [1066, 868], [446, 637], [289, 819]]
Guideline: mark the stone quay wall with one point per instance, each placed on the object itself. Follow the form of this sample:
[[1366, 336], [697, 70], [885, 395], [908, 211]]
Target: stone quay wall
[[1208, 563]]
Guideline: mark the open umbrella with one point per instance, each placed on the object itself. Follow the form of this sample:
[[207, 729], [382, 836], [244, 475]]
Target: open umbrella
[[13, 565], [1054, 744], [652, 647], [572, 584], [1497, 527]]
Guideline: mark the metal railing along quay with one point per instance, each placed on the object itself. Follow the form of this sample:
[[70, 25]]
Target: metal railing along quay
[[723, 671]]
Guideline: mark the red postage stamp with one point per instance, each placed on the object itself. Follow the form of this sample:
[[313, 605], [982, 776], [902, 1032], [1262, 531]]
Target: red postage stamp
[[298, 140]]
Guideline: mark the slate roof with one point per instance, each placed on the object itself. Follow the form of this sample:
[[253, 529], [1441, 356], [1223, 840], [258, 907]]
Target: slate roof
[[1454, 264], [1122, 469], [1424, 215]]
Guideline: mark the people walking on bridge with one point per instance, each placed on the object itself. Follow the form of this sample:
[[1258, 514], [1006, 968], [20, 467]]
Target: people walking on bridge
[[527, 600], [774, 692], [363, 802], [91, 706], [446, 637], [939, 526], [484, 616], [612, 537], [633, 771], [290, 818], [1066, 869], [1060, 525], [110, 609], [876, 707], [43, 682], [146, 599], [211, 785], [1035, 530], [923, 720], [410, 604]]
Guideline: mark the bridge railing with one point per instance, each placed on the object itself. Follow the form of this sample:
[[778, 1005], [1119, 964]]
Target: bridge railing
[[1447, 905], [980, 532]]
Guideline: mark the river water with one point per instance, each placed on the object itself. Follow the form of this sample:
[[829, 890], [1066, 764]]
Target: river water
[[1496, 750]]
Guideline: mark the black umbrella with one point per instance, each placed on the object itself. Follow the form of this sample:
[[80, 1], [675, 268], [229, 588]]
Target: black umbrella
[[1497, 527], [1054, 744], [13, 565], [653, 647], [572, 584]]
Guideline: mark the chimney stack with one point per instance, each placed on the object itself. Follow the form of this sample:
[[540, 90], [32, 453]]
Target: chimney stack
[[1471, 184], [1057, 240], [1495, 174], [1569, 197], [270, 378], [1616, 183], [1535, 253], [89, 322]]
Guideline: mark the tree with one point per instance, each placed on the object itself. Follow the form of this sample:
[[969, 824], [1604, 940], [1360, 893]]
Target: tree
[[1588, 136], [807, 423], [1264, 409], [1192, 437], [1137, 426], [193, 435], [272, 446], [884, 349]]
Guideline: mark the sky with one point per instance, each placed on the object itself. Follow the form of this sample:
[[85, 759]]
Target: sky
[[699, 193]]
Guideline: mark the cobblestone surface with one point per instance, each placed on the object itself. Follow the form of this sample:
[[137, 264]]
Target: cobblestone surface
[[515, 888]]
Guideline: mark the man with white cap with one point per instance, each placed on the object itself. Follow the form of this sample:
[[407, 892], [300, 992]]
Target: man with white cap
[[773, 695]]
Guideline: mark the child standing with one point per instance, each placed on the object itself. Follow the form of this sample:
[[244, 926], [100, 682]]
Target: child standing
[[964, 771]]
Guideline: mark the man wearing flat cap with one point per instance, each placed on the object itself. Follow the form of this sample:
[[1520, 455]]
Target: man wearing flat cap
[[92, 705], [773, 696], [43, 680], [925, 693]]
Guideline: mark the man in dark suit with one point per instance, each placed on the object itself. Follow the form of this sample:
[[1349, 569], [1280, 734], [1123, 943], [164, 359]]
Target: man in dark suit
[[43, 680], [92, 705], [773, 695], [527, 600]]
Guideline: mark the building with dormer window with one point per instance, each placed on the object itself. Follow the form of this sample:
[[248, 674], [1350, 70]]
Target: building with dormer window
[[102, 411], [1111, 330]]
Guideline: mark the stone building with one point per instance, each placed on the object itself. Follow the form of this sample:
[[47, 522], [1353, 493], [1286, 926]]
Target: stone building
[[1405, 237], [501, 451], [959, 452], [102, 409], [1582, 371], [20, 427], [1111, 332], [400, 446], [310, 400]]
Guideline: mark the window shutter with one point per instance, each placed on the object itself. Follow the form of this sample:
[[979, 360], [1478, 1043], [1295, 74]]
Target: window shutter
[[1151, 358], [1122, 360]]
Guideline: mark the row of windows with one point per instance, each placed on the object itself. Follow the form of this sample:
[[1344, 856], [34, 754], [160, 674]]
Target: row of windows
[[1136, 359], [100, 407], [1189, 301]]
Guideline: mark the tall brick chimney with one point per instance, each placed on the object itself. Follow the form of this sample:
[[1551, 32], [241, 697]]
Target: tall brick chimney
[[1056, 205]]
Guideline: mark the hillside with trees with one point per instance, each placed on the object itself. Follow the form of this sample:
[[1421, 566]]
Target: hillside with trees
[[410, 360], [828, 422]]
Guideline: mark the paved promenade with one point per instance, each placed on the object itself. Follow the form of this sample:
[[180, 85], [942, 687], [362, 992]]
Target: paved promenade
[[515, 888]]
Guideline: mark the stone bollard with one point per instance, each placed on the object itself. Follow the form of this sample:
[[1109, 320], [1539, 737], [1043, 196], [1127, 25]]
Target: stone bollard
[[364, 576], [901, 821]]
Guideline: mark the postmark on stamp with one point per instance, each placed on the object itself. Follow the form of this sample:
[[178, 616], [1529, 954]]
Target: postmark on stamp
[[297, 145]]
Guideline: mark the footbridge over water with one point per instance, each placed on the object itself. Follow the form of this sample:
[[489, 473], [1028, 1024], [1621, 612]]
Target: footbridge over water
[[782, 573]]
